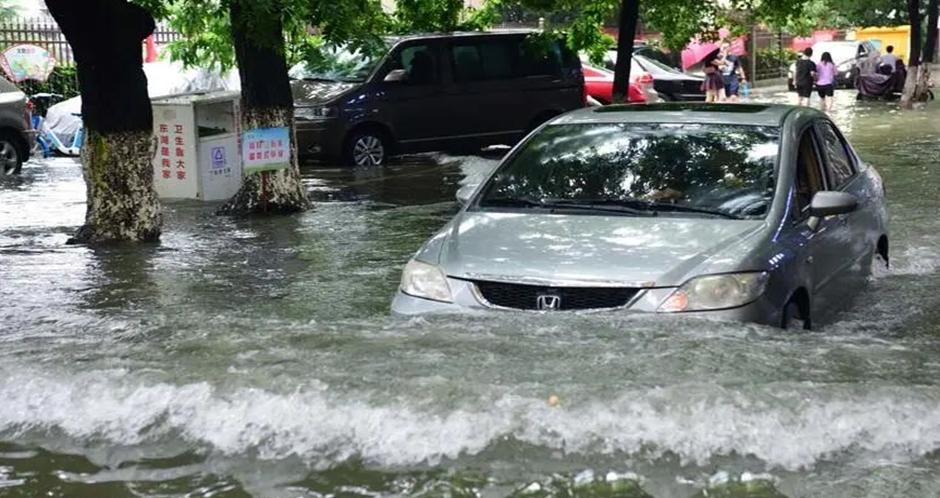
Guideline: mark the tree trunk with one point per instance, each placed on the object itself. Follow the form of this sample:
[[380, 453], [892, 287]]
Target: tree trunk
[[267, 102], [930, 47], [106, 36], [914, 73], [629, 16]]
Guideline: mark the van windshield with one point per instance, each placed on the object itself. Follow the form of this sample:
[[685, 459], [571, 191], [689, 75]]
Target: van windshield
[[338, 64]]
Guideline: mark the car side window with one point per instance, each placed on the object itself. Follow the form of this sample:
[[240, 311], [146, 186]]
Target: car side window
[[420, 63], [482, 61], [809, 178], [539, 59], [841, 168]]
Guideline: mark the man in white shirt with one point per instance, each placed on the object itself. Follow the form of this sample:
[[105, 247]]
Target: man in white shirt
[[889, 59]]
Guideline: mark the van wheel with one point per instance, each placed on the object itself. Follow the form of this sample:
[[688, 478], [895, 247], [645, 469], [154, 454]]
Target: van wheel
[[366, 148], [792, 317], [11, 160]]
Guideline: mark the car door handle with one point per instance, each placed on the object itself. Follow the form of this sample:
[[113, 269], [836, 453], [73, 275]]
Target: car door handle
[[810, 260]]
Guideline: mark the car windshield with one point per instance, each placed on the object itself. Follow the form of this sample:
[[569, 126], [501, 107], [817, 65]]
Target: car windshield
[[338, 64], [840, 52], [687, 170]]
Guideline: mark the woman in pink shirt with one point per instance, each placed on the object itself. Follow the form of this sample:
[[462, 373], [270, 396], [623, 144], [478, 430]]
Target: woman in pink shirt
[[825, 80]]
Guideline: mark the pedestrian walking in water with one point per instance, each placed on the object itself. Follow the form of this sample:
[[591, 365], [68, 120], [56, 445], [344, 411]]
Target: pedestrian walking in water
[[732, 72], [805, 77], [714, 84], [825, 81]]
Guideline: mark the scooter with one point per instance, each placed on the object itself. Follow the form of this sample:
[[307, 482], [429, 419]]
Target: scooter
[[48, 142]]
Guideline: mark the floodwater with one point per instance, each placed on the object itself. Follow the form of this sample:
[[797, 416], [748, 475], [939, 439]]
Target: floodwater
[[258, 358]]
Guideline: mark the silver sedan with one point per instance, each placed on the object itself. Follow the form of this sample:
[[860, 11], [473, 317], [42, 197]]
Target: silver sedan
[[737, 212]]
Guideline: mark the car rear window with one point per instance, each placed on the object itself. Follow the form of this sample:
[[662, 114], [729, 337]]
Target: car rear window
[[729, 169]]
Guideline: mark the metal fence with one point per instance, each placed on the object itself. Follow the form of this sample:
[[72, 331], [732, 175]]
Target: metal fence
[[44, 32]]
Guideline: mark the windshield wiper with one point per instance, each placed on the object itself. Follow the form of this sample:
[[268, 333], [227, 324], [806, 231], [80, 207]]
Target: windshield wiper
[[601, 206], [680, 208], [637, 206]]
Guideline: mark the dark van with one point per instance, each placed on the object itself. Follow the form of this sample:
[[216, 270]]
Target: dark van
[[451, 92]]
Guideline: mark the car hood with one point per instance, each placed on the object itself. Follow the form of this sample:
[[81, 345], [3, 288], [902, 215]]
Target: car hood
[[631, 251], [308, 93]]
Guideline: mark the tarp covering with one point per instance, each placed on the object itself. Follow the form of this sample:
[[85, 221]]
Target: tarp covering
[[163, 78]]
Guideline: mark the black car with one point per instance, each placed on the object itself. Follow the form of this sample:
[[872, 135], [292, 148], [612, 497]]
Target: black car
[[15, 129], [452, 92]]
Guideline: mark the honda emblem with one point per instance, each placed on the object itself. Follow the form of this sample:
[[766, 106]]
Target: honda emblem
[[548, 302]]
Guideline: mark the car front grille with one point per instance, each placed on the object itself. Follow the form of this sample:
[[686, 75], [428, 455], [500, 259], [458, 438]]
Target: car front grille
[[534, 297]]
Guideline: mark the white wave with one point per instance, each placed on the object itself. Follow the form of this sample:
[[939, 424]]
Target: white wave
[[915, 260], [797, 429]]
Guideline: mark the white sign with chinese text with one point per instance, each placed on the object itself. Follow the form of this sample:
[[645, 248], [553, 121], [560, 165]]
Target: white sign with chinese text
[[175, 168]]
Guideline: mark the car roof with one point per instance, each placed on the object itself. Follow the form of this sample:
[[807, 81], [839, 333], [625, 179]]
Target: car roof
[[461, 34], [689, 113]]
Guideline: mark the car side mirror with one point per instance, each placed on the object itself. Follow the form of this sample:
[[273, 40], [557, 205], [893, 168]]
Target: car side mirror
[[830, 204], [396, 76], [465, 193]]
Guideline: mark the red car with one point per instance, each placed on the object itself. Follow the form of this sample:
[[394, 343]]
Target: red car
[[599, 85]]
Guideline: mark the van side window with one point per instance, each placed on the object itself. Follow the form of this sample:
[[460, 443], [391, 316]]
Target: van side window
[[809, 179], [841, 167], [540, 59], [420, 63], [482, 60]]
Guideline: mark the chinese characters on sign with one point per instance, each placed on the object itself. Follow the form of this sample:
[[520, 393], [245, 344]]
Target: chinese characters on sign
[[172, 160], [27, 62], [266, 149]]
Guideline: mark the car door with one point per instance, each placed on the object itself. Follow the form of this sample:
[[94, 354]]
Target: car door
[[817, 248], [842, 175], [488, 106], [415, 107], [836, 248]]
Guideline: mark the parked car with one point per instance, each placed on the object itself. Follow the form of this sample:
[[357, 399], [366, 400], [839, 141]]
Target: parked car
[[670, 83], [756, 213], [672, 60], [16, 136], [452, 92], [599, 85], [851, 58]]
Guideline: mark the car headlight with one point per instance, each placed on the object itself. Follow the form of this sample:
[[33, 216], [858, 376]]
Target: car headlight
[[845, 67], [425, 281], [315, 113], [716, 292]]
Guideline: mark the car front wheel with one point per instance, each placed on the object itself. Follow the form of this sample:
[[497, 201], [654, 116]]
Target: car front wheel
[[792, 318], [11, 160], [366, 149]]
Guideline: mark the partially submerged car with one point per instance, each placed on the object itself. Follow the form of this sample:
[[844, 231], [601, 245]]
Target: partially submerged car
[[757, 213], [451, 92]]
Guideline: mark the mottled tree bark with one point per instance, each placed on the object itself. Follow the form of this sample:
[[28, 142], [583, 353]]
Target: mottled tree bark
[[629, 16], [267, 102], [106, 36], [915, 86]]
